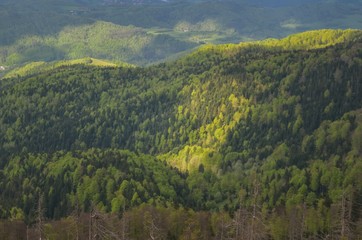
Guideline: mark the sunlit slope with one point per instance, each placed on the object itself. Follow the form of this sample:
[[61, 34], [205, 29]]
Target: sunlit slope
[[36, 67], [301, 41]]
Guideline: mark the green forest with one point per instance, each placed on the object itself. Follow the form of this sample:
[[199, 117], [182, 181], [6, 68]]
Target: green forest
[[257, 140], [149, 31], [99, 40]]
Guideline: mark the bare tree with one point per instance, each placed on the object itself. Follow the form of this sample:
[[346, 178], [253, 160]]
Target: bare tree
[[224, 227], [240, 223], [124, 224], [153, 224], [99, 227], [248, 221], [296, 221], [75, 215], [346, 214], [341, 216], [257, 226], [40, 217]]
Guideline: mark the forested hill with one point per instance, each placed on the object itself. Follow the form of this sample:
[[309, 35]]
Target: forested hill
[[145, 32], [270, 129]]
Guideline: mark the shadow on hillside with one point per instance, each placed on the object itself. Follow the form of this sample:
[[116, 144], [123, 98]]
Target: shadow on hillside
[[18, 20]]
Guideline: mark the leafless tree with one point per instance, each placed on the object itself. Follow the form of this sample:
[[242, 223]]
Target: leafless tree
[[341, 216], [296, 218], [40, 217], [152, 226], [99, 227]]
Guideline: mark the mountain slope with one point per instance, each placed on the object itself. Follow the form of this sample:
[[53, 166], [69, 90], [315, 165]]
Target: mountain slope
[[35, 67], [259, 128], [175, 101], [99, 40]]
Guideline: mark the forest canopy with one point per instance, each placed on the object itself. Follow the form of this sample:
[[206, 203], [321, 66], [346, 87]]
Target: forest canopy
[[243, 139]]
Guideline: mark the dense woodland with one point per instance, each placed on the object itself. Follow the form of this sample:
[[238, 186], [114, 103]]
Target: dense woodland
[[255, 140]]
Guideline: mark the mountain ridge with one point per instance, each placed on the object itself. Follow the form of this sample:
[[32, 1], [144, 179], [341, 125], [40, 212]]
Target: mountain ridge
[[29, 30], [311, 40]]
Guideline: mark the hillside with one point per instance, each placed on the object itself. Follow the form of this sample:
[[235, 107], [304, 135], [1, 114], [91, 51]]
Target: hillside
[[237, 140], [99, 40], [146, 32], [36, 67]]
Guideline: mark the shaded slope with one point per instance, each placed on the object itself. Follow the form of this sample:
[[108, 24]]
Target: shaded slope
[[111, 179]]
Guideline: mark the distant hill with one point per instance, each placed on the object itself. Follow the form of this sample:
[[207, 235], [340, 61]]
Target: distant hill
[[281, 3], [98, 40], [42, 30]]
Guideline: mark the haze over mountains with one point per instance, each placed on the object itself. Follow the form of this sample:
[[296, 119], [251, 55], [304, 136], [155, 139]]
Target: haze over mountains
[[55, 30]]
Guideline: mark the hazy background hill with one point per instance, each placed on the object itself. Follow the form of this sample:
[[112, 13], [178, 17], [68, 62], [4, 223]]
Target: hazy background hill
[[145, 32]]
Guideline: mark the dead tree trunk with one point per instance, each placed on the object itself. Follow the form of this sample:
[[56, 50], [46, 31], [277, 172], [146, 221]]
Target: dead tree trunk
[[40, 217]]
